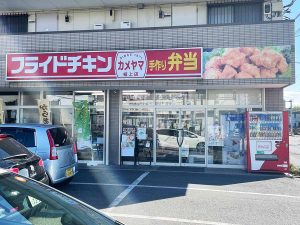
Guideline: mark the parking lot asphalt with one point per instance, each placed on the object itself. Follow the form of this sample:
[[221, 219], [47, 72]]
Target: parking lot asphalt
[[174, 195]]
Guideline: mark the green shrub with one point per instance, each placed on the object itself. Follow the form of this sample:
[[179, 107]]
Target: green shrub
[[295, 170]]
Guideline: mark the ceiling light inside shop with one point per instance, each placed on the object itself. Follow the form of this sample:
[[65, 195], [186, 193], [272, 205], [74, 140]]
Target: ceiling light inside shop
[[90, 92], [180, 90], [137, 91]]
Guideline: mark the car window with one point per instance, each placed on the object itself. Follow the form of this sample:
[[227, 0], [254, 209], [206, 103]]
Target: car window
[[24, 201], [9, 147], [60, 136], [26, 136]]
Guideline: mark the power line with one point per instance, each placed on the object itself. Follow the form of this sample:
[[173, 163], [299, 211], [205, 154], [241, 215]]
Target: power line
[[297, 16]]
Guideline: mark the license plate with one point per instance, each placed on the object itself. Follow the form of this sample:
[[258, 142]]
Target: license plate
[[69, 172]]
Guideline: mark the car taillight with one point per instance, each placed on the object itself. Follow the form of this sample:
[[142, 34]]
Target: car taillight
[[75, 148], [14, 170], [53, 150], [41, 163]]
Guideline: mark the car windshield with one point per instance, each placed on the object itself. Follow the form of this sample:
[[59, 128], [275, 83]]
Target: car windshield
[[23, 201]]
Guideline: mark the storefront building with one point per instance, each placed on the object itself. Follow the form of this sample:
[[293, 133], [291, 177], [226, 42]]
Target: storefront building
[[197, 74]]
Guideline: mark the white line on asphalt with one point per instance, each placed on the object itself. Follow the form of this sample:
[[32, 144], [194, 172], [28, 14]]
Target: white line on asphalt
[[127, 191], [189, 172], [178, 220], [183, 188]]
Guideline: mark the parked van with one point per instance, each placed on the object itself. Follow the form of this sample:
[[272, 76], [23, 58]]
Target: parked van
[[52, 143]]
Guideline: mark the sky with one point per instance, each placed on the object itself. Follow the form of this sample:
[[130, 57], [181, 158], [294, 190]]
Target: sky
[[293, 92]]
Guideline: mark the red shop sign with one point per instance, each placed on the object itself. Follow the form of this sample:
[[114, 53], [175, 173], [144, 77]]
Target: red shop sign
[[105, 65]]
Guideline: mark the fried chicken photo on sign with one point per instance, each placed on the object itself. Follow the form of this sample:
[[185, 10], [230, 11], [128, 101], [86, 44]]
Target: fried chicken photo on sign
[[212, 73], [268, 73], [228, 73], [250, 69], [282, 65], [248, 51], [267, 58], [215, 63], [233, 57]]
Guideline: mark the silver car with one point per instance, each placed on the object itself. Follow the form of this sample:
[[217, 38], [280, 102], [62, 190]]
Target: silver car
[[52, 143]]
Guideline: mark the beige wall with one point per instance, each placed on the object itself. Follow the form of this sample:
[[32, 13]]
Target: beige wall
[[176, 15]]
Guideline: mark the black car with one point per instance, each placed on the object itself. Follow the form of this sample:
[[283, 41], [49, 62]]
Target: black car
[[18, 159], [25, 201]]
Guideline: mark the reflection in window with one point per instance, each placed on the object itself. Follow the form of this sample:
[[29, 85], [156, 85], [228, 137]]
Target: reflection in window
[[143, 120], [235, 97], [30, 116], [136, 98], [10, 98], [95, 98], [30, 98], [62, 117], [59, 98], [189, 97], [10, 116]]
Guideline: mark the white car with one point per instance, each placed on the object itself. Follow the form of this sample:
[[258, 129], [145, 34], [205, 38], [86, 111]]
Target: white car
[[167, 139]]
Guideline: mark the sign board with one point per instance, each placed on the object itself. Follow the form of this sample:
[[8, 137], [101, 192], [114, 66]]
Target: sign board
[[128, 140], [105, 65], [44, 111], [178, 63]]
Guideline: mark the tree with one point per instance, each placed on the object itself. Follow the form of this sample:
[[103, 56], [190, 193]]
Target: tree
[[296, 108]]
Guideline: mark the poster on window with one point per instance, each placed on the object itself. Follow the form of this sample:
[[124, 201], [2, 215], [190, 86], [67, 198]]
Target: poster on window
[[215, 135], [44, 111], [128, 141], [234, 134], [82, 125], [141, 133]]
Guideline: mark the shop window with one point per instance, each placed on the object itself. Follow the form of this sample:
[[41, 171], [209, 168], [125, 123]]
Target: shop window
[[96, 102], [59, 98], [30, 115], [143, 121], [10, 98], [226, 137], [63, 117], [95, 98], [252, 97], [10, 116], [235, 13], [30, 98], [137, 98], [97, 132], [189, 97]]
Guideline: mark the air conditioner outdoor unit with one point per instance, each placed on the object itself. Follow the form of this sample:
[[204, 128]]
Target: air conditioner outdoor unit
[[125, 24], [267, 8], [98, 26]]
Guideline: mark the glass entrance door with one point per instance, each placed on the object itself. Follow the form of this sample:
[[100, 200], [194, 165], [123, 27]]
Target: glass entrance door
[[192, 150], [167, 123], [193, 146]]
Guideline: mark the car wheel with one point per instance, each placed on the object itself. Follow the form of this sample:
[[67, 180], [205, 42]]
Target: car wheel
[[200, 147]]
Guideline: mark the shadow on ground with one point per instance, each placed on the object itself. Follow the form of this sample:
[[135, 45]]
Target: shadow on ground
[[99, 186]]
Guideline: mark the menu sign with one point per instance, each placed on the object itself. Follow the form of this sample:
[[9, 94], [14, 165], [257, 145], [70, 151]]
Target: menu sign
[[128, 141]]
